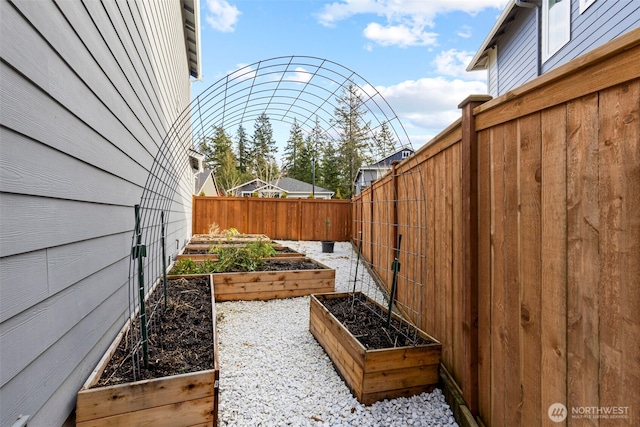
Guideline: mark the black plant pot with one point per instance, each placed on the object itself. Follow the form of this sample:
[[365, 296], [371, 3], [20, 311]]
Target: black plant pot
[[327, 246]]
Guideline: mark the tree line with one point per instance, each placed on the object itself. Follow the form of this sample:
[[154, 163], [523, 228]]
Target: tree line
[[332, 160]]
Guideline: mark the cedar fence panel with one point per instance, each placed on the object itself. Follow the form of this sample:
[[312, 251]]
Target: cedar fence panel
[[530, 247], [285, 219]]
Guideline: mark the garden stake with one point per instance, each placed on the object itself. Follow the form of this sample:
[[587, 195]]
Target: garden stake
[[355, 278], [139, 251], [164, 260], [395, 266]]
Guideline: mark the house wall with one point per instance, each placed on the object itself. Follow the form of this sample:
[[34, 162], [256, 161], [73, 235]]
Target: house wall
[[604, 20], [88, 92], [518, 48], [517, 52]]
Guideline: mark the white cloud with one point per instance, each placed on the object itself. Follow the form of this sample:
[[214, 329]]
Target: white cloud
[[400, 35], [428, 105], [221, 15], [454, 62], [300, 75], [405, 21], [465, 32]]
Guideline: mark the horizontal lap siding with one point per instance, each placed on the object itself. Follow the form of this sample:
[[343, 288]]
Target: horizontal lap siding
[[86, 102]]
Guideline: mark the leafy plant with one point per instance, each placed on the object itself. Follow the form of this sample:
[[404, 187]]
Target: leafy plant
[[247, 257], [189, 266]]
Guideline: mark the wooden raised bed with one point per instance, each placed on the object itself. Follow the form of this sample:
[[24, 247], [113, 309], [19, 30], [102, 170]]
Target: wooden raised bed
[[188, 399], [223, 238], [374, 375], [267, 285], [281, 252]]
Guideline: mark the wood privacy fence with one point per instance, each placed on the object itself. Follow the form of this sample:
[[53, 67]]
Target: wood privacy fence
[[287, 219], [531, 259]]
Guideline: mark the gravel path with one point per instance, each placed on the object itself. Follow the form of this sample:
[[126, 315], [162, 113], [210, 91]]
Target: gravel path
[[274, 373]]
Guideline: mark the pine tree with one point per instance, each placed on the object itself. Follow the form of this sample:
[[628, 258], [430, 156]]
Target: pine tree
[[242, 141], [353, 137], [219, 157], [384, 143], [329, 169], [293, 152], [228, 175], [263, 150], [216, 148]]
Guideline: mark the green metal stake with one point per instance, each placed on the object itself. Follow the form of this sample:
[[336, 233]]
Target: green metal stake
[[164, 260], [139, 251], [395, 266], [355, 278]]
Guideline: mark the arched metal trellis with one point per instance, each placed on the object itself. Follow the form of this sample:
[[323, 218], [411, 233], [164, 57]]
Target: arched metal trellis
[[304, 90]]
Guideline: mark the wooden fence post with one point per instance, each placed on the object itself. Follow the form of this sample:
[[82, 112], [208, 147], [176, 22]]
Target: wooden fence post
[[469, 159]]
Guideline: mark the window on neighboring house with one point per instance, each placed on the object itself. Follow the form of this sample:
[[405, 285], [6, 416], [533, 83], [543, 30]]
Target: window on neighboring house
[[406, 154], [556, 26], [584, 4]]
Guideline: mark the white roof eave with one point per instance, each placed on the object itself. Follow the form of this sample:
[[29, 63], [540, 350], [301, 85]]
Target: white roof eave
[[477, 63]]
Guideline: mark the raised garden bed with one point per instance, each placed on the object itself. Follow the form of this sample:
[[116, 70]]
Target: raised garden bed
[[199, 254], [228, 238], [278, 278], [370, 365], [180, 388]]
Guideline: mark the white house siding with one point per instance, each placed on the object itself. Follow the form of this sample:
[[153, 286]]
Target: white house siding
[[603, 21], [88, 91], [517, 52]]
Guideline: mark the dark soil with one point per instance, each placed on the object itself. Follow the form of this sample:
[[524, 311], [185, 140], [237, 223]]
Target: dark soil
[[181, 342], [289, 264], [188, 251], [368, 323]]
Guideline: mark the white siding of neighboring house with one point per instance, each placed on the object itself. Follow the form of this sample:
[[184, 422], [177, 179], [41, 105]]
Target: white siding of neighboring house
[[88, 91]]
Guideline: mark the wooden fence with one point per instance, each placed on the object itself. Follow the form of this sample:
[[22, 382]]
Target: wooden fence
[[287, 219], [530, 263]]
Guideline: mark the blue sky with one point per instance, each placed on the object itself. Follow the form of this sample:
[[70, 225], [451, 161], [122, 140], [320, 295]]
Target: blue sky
[[414, 52]]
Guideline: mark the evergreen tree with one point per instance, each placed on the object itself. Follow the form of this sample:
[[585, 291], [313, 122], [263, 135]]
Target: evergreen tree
[[384, 143], [219, 157], [353, 137], [263, 150], [242, 141], [329, 169], [216, 148], [228, 175], [293, 152]]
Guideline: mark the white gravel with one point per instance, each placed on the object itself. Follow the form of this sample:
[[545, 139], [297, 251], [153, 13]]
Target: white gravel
[[274, 373]]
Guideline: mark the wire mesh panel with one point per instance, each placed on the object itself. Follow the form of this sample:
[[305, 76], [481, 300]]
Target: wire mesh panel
[[303, 90]]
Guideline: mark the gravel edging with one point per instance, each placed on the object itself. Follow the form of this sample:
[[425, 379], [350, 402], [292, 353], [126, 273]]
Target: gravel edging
[[274, 373]]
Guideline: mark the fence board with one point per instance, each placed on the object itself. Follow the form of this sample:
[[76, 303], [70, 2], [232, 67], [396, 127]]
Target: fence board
[[619, 197], [554, 267], [529, 270], [583, 261]]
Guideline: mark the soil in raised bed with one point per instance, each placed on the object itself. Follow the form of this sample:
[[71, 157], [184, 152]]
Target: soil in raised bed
[[365, 320], [180, 342]]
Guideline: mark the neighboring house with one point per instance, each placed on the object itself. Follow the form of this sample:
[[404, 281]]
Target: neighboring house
[[531, 38], [283, 187], [366, 175], [205, 184], [88, 92]]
